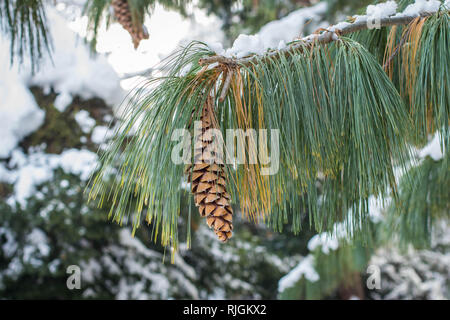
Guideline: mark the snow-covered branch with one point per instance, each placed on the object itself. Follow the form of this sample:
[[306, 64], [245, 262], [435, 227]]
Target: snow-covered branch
[[381, 15], [326, 36]]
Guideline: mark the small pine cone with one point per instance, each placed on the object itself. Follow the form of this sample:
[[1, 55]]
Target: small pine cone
[[208, 180], [123, 15]]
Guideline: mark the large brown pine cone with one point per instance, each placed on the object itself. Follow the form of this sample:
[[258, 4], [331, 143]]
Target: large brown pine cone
[[208, 179]]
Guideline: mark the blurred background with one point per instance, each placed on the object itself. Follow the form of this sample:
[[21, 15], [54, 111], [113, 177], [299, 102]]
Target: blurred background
[[52, 123]]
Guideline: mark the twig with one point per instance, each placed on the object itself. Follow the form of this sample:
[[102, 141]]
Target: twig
[[397, 48], [226, 85]]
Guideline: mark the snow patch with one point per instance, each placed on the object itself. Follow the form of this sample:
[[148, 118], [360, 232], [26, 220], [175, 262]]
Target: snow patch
[[376, 12], [30, 171], [376, 208], [8, 245], [78, 162], [100, 134], [19, 113], [324, 240], [36, 247], [304, 268], [216, 47], [62, 101], [85, 121], [389, 8], [185, 70], [73, 70], [381, 10], [433, 149], [274, 34], [419, 7], [291, 26], [245, 45]]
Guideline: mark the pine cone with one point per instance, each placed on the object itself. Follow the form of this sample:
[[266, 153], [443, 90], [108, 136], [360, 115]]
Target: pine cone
[[123, 15], [208, 180]]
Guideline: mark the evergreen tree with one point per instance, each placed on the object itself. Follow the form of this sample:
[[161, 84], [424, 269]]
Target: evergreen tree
[[351, 105]]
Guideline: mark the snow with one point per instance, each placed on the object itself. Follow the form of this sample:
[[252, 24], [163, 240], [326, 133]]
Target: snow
[[90, 270], [329, 240], [27, 172], [147, 271], [281, 45], [339, 26], [27, 178], [185, 70], [19, 113], [8, 244], [73, 70], [77, 162], [129, 241], [291, 26], [326, 241], [85, 122], [375, 13], [433, 149], [414, 274], [62, 101], [274, 34], [389, 8], [381, 10], [376, 208], [245, 45], [100, 134], [304, 269], [64, 184], [419, 7], [36, 247], [217, 47], [342, 231]]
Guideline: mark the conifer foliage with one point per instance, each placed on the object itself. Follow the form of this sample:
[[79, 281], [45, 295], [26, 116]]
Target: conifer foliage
[[25, 23], [345, 125]]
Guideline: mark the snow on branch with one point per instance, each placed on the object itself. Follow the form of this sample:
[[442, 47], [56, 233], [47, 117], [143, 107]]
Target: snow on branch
[[378, 16]]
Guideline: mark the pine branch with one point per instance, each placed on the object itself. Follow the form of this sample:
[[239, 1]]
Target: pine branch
[[340, 129], [326, 36], [397, 49], [343, 127]]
